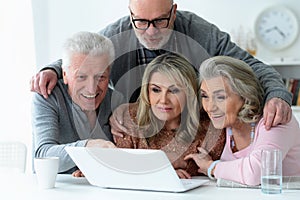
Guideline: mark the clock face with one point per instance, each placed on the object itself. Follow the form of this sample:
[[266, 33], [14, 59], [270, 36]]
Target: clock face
[[276, 28]]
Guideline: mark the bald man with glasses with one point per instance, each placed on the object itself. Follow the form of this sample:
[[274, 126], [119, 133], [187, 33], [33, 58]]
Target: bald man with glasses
[[154, 27], [159, 23]]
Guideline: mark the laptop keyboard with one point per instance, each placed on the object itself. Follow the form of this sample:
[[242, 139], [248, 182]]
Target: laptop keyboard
[[186, 181]]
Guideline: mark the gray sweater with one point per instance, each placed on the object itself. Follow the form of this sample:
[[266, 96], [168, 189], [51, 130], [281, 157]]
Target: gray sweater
[[58, 122], [196, 39]]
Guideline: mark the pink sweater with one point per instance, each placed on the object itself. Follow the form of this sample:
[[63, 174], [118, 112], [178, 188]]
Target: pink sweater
[[244, 166]]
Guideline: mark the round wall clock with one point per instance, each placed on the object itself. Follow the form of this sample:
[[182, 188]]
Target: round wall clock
[[276, 27]]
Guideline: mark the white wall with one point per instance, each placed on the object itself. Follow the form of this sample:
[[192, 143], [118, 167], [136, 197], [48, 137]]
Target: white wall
[[55, 20], [17, 66], [230, 14]]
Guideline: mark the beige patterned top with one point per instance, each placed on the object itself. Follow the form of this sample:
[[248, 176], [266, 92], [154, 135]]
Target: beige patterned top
[[208, 137]]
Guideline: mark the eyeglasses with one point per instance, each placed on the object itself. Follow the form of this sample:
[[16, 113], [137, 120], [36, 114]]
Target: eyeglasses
[[143, 24]]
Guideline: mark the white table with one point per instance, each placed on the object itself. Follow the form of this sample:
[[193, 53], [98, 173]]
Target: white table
[[24, 186]]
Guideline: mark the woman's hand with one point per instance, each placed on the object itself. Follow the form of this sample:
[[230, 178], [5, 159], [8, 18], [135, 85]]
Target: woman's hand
[[202, 159]]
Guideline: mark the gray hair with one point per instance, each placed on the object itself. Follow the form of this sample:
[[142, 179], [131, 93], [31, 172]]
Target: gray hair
[[87, 43], [242, 81]]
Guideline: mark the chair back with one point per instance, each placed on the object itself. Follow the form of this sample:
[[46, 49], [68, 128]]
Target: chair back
[[13, 156]]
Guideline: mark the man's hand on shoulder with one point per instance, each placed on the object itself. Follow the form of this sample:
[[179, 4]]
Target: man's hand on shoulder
[[116, 121], [276, 111], [43, 82]]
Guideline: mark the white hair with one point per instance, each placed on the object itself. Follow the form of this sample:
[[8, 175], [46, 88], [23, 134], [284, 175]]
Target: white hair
[[87, 43]]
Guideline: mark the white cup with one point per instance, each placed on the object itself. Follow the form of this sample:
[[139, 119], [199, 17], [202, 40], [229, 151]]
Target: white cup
[[271, 171], [46, 169]]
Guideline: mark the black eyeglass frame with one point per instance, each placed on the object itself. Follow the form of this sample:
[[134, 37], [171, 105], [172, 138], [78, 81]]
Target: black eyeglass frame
[[152, 21]]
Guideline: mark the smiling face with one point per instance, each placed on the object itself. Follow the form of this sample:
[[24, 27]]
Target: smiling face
[[167, 99], [87, 78], [153, 38], [220, 102]]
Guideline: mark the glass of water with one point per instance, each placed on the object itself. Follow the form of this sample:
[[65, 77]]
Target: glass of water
[[271, 171]]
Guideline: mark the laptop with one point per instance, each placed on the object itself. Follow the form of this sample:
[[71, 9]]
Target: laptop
[[134, 169]]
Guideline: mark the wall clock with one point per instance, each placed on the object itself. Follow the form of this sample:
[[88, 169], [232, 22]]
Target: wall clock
[[276, 27]]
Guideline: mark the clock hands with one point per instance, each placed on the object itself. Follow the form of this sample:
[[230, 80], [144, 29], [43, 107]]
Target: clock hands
[[280, 32], [275, 28], [270, 29]]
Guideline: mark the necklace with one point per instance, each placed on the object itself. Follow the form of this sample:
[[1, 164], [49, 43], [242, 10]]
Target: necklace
[[232, 143]]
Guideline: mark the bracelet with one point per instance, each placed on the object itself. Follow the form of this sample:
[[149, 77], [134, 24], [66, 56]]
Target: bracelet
[[212, 165]]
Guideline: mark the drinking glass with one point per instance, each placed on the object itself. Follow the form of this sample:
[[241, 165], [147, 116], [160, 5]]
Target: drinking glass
[[271, 171]]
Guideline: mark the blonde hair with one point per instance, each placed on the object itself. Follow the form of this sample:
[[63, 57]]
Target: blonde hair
[[179, 70], [242, 81]]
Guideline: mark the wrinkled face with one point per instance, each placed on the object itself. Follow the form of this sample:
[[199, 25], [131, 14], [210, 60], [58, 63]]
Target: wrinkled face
[[220, 102], [153, 38], [167, 98], [87, 79]]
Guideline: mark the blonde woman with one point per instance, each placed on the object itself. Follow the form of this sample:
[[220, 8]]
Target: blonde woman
[[166, 115]]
